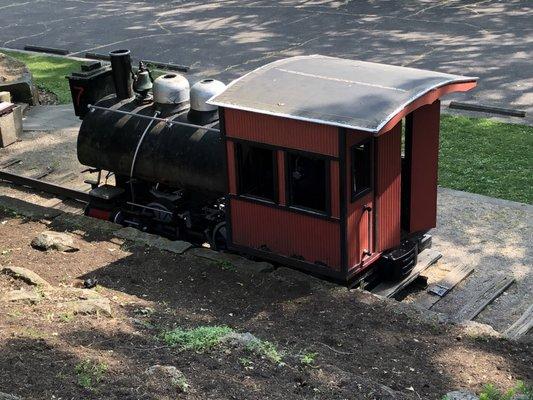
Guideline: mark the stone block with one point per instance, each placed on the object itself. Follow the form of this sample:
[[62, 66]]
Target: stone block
[[5, 96], [151, 240], [8, 129], [18, 112]]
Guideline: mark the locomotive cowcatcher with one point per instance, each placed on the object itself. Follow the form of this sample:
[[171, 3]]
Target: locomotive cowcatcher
[[323, 164]]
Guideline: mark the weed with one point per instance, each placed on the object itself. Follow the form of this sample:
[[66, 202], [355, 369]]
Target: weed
[[181, 383], [265, 349], [226, 266], [32, 333], [90, 373], [66, 317], [308, 359], [246, 363], [198, 339], [490, 392]]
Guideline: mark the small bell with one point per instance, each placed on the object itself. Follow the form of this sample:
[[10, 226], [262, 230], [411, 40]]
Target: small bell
[[143, 81]]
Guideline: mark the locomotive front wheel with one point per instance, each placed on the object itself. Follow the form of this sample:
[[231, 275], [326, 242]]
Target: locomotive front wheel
[[219, 237]]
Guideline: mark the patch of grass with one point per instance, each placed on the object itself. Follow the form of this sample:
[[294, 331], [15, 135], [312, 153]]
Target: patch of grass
[[181, 383], [66, 317], [90, 373], [265, 349], [227, 266], [246, 363], [487, 157], [32, 333], [490, 392], [308, 359], [198, 339], [49, 72]]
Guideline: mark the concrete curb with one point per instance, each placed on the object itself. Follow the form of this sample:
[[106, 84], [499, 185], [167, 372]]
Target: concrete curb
[[491, 200], [38, 53]]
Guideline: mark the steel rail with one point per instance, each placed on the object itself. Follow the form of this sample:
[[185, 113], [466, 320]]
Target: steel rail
[[166, 120], [47, 187]]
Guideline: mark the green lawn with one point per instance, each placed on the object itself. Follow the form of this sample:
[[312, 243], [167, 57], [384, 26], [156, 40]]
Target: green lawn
[[487, 157], [476, 154], [49, 72]]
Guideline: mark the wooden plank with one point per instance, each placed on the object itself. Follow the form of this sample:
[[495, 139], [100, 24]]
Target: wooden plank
[[478, 303], [69, 176], [440, 289], [521, 326], [41, 174], [425, 260], [10, 162]]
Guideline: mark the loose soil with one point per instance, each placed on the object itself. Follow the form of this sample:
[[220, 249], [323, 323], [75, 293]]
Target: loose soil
[[365, 347], [46, 97], [10, 68]]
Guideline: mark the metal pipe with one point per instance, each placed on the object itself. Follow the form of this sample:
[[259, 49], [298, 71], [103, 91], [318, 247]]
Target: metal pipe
[[149, 208], [139, 143], [122, 73], [166, 120]]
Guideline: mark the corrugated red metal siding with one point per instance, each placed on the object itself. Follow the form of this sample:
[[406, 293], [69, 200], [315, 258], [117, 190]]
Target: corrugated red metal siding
[[285, 233], [281, 132], [388, 188], [424, 165]]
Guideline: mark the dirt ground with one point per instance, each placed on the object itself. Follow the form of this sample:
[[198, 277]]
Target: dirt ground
[[10, 69], [364, 347]]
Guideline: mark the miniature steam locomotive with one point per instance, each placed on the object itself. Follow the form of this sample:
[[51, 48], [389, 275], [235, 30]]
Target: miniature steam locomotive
[[299, 162]]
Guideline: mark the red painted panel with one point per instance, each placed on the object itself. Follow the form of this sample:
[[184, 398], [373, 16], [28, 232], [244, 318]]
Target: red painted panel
[[353, 137], [281, 177], [285, 233], [359, 234], [388, 188], [334, 187], [305, 136], [232, 167], [424, 163]]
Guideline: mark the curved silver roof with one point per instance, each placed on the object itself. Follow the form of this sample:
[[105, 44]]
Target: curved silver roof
[[333, 91]]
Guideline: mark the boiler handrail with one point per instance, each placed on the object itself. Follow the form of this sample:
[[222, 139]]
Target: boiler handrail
[[166, 120]]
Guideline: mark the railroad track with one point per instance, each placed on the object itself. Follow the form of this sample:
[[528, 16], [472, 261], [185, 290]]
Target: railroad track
[[45, 188]]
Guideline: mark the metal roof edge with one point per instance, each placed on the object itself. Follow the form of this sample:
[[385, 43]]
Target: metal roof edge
[[412, 99]]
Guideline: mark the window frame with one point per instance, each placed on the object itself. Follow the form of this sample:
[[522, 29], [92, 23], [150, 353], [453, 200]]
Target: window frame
[[327, 178], [238, 167], [357, 195]]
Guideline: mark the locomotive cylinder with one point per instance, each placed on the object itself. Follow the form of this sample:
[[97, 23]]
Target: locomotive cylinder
[[122, 73]]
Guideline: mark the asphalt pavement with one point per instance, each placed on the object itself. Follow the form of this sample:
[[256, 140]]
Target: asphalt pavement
[[225, 39]]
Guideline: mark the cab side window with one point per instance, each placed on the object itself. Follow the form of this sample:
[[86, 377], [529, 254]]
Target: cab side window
[[307, 187], [257, 175]]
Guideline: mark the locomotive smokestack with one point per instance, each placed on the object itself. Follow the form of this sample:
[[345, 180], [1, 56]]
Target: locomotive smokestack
[[121, 65]]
